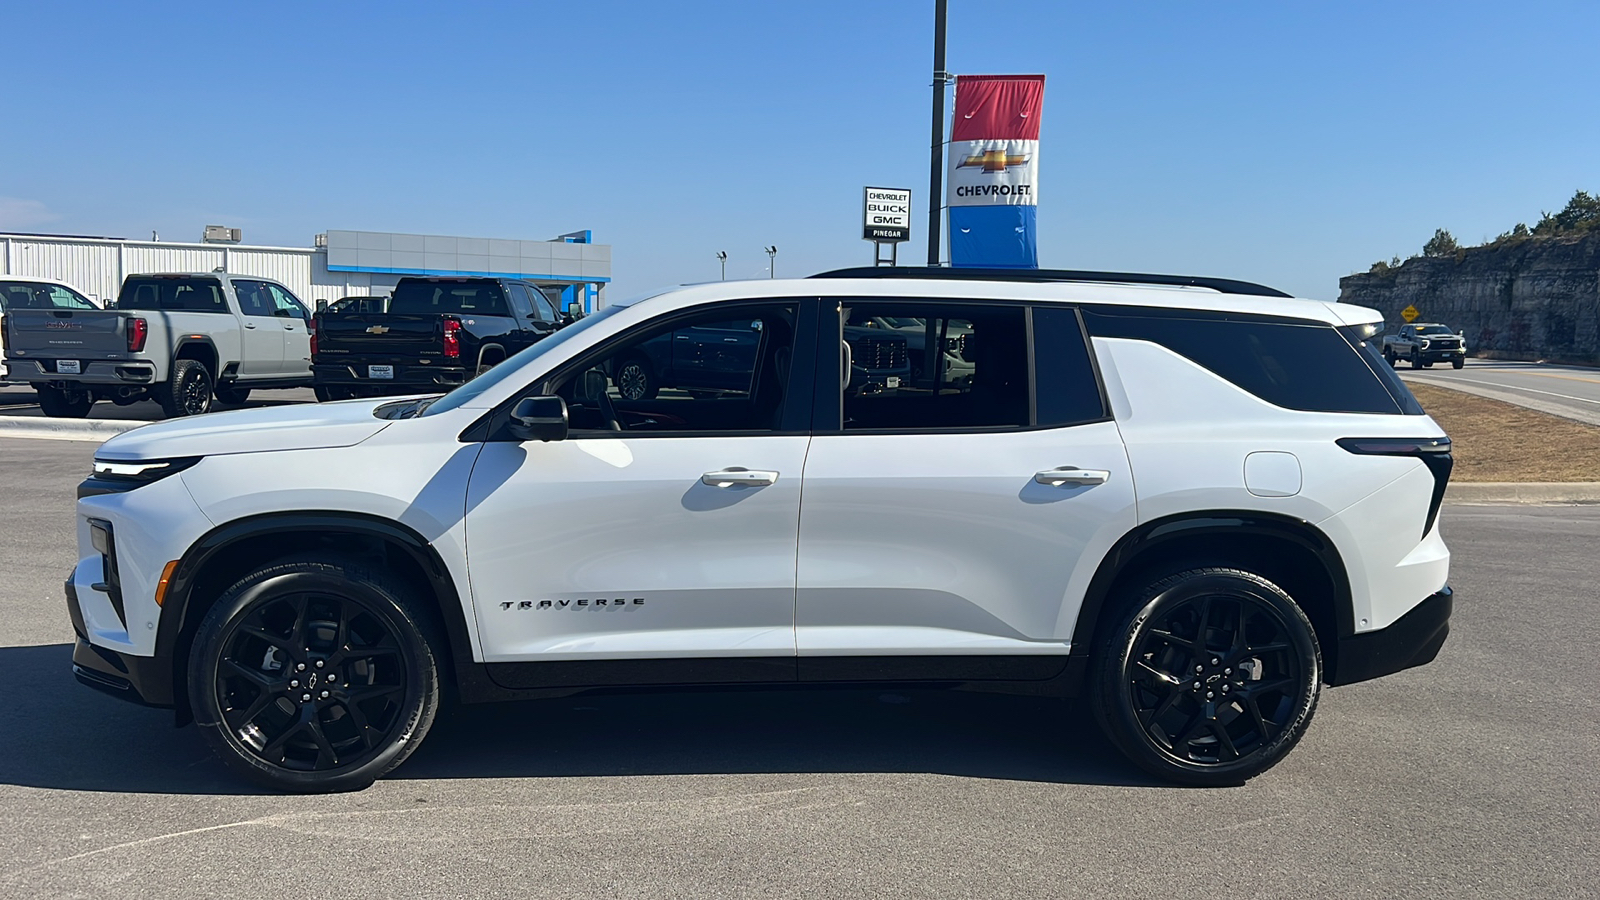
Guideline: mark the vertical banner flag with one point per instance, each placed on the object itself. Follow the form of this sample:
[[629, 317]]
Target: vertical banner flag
[[993, 171]]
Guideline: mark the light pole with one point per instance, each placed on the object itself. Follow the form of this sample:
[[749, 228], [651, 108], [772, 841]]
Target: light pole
[[772, 261], [722, 257], [941, 78]]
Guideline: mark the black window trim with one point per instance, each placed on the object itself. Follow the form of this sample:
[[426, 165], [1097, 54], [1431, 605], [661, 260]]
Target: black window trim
[[797, 419], [833, 411]]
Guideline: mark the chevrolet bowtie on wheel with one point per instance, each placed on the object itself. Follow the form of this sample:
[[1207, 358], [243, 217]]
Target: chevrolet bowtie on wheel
[[1194, 502]]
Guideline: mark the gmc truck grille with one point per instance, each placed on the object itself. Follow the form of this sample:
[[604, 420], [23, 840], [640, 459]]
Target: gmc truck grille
[[879, 353]]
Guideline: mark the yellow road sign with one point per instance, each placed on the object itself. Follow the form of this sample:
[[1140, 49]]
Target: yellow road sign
[[1410, 314]]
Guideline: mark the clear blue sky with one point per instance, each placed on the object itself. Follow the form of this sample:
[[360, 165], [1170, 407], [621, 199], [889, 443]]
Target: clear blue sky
[[1289, 143]]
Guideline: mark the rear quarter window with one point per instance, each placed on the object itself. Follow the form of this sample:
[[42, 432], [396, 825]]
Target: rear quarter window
[[1306, 366], [173, 295]]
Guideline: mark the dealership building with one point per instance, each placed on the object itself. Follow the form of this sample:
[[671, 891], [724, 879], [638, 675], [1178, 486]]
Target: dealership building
[[338, 264]]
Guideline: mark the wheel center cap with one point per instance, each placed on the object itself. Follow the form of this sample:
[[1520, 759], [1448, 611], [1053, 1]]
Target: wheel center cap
[[311, 681]]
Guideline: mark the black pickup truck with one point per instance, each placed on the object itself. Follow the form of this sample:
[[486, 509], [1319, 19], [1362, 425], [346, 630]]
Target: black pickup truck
[[436, 333]]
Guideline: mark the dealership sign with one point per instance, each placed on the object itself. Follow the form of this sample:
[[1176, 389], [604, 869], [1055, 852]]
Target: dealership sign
[[993, 174], [886, 215]]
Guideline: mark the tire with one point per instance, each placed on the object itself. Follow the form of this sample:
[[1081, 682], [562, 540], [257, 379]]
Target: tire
[[232, 395], [187, 391], [486, 366], [1390, 358], [1242, 719], [1457, 363], [635, 381], [1427, 365], [314, 675], [63, 404], [1416, 362]]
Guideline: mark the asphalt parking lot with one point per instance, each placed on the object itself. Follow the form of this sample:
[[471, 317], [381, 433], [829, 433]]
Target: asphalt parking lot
[[1473, 776], [21, 400]]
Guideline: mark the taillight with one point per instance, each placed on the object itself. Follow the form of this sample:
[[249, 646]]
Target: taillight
[[312, 331], [138, 330], [1434, 453], [452, 337]]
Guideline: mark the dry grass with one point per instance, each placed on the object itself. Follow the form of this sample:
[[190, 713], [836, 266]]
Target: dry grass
[[1495, 441]]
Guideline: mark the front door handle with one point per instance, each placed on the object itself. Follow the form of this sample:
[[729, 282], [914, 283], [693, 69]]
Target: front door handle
[[249, 325], [735, 476], [1072, 475]]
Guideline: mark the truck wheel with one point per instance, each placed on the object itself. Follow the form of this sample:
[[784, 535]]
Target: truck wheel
[[233, 395], [1457, 363], [314, 675], [634, 381], [187, 391], [1390, 358], [65, 404], [1416, 362], [1426, 364], [1209, 676]]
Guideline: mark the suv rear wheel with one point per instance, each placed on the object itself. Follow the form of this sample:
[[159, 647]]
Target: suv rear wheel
[[1209, 678], [314, 675]]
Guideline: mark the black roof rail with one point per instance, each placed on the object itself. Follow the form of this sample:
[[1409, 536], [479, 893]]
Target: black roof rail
[[965, 273]]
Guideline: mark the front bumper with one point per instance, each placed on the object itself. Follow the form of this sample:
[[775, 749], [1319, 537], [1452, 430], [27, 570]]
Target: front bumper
[[1412, 640], [144, 680]]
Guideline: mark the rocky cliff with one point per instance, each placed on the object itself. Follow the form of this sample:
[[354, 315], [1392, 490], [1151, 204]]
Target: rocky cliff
[[1537, 298]]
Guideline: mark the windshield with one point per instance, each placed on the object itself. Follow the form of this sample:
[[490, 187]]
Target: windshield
[[1433, 329], [513, 366], [23, 295]]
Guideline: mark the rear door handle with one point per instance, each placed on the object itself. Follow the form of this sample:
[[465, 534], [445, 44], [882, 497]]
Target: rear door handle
[[1072, 475], [738, 477]]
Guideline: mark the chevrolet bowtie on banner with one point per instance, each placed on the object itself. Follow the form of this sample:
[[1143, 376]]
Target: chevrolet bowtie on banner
[[994, 168]]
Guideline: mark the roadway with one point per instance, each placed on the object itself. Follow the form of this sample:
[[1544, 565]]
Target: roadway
[[1473, 776], [1569, 391]]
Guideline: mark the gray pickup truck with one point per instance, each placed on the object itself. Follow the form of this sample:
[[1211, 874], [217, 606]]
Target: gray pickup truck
[[177, 339], [1424, 344]]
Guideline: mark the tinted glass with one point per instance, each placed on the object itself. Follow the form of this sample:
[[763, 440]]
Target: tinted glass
[[254, 300], [22, 295], [1297, 366], [1371, 350], [709, 374], [173, 295], [1064, 378], [431, 298], [546, 309], [521, 302], [1434, 329], [923, 364]]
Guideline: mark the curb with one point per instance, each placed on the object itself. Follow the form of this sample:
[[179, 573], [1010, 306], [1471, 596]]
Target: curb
[[1530, 492], [97, 430]]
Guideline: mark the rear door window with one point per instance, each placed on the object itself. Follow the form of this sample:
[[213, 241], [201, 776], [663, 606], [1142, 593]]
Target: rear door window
[[173, 295]]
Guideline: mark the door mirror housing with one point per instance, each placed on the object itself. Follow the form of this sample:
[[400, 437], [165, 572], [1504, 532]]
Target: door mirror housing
[[539, 419]]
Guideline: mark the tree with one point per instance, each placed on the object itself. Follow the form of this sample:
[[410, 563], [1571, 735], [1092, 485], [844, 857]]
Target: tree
[[1442, 244]]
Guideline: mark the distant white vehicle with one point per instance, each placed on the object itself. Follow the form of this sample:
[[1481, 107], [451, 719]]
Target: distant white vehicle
[[1195, 501], [34, 293]]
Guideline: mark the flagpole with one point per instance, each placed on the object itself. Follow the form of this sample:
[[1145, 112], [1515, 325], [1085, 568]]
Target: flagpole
[[936, 163]]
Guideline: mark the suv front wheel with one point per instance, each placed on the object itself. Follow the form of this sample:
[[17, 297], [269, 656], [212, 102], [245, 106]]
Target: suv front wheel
[[1210, 677], [313, 675]]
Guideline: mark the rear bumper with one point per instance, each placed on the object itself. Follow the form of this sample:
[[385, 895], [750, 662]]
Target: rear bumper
[[1412, 640], [119, 372], [144, 680], [355, 375]]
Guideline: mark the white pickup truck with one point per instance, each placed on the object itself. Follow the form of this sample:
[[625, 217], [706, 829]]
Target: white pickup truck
[[177, 339]]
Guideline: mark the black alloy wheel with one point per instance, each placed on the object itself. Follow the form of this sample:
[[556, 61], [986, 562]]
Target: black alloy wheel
[[1210, 679], [314, 676], [187, 391], [634, 381], [1390, 358], [1457, 363]]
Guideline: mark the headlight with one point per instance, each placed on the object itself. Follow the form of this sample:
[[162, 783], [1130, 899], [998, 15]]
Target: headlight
[[1423, 345], [139, 472]]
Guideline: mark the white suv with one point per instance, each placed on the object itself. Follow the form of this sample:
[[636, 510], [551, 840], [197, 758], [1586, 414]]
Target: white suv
[[1196, 501]]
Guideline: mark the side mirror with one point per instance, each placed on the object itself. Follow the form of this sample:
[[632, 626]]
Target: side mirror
[[539, 419], [322, 306]]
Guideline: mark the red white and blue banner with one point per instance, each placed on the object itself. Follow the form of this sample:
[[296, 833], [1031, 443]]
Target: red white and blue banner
[[994, 171]]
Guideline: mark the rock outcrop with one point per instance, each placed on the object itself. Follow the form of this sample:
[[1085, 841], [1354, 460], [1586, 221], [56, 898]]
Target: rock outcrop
[[1537, 298]]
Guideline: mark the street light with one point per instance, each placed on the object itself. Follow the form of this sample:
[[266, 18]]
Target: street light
[[722, 257], [772, 261]]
